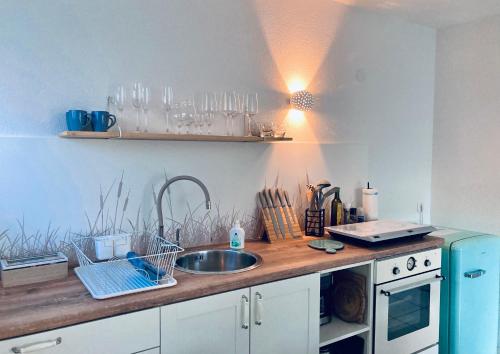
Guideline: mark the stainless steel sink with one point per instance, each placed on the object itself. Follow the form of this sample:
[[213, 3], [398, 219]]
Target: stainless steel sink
[[218, 262]]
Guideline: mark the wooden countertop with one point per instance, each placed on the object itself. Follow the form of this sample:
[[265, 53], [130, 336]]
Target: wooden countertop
[[36, 308]]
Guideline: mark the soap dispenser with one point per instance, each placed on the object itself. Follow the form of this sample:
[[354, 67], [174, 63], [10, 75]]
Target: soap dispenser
[[237, 236]]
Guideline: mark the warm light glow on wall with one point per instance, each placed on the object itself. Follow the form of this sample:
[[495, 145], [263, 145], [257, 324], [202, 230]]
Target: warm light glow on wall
[[296, 84], [295, 118]]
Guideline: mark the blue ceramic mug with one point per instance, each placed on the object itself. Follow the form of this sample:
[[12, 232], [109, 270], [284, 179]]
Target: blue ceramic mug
[[102, 121], [78, 120]]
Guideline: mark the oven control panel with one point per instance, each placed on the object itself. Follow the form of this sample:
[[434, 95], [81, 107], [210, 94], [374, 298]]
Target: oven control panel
[[389, 269]]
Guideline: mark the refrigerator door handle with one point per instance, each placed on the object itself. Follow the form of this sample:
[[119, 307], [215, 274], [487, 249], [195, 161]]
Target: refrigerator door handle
[[474, 273]]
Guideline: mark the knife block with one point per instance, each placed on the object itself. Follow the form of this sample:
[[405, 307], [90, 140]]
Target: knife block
[[273, 235]]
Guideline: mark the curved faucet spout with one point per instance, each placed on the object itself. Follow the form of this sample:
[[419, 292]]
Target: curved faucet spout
[[164, 188]]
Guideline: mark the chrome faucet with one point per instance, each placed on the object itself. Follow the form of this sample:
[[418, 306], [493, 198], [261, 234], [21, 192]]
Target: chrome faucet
[[162, 191]]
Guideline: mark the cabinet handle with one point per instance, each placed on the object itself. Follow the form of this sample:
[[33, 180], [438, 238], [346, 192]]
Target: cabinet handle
[[244, 312], [259, 307], [474, 274], [33, 347]]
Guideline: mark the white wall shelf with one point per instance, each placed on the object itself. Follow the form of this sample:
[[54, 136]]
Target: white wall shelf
[[116, 135]]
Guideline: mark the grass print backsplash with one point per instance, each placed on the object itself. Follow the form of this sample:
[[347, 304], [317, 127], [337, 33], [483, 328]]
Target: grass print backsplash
[[198, 227]]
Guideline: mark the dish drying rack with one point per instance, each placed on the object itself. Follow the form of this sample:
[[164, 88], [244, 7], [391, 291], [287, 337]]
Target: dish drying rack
[[122, 276]]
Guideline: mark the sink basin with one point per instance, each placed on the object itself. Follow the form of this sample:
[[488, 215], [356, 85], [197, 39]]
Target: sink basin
[[218, 262]]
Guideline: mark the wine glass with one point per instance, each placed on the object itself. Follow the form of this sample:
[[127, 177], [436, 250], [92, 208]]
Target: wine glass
[[178, 116], [251, 108], [136, 102], [228, 107], [209, 108], [167, 100], [189, 118], [145, 102], [198, 113], [119, 99], [239, 99]]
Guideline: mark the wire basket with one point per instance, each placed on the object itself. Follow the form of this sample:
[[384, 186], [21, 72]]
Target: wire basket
[[140, 271]]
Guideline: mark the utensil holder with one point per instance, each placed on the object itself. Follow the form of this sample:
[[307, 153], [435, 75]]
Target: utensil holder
[[315, 222]]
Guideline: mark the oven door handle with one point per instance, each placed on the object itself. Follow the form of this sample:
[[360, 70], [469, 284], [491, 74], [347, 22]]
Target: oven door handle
[[412, 285]]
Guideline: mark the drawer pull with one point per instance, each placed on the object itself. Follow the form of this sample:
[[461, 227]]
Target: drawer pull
[[244, 312], [258, 309], [33, 347]]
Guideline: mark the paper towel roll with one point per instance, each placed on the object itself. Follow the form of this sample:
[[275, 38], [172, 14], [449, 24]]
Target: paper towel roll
[[370, 203]]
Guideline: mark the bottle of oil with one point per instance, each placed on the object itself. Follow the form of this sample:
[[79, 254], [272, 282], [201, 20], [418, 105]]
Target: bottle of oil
[[337, 210]]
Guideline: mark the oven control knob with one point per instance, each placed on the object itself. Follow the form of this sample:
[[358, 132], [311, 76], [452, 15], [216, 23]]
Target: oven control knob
[[411, 263], [427, 263], [395, 271]]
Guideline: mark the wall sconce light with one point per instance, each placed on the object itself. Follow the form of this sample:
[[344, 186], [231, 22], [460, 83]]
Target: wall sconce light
[[302, 100]]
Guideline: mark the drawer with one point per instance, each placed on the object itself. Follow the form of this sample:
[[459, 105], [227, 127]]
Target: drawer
[[124, 334]]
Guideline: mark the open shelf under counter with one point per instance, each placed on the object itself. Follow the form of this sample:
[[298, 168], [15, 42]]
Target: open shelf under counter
[[167, 137], [337, 330]]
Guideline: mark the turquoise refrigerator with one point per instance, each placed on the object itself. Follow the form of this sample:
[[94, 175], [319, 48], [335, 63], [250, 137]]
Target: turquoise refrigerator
[[470, 292]]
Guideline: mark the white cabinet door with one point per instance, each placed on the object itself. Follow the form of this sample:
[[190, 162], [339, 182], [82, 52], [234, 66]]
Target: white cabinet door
[[217, 324], [123, 334], [285, 316]]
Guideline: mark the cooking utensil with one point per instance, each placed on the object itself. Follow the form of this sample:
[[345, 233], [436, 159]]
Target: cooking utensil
[[279, 217], [274, 218], [330, 192], [322, 184], [289, 218]]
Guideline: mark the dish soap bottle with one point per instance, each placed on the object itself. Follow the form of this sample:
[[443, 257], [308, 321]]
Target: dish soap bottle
[[237, 236]]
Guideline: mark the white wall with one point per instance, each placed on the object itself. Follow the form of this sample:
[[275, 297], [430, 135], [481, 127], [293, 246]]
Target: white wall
[[373, 75], [465, 171]]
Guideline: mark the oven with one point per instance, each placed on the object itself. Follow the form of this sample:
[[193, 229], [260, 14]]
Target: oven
[[407, 296]]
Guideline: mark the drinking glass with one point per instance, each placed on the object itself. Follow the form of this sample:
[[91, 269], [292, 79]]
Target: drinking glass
[[119, 100], [188, 115], [136, 102], [145, 103], [228, 107], [251, 108], [239, 110], [178, 117], [198, 113], [209, 108], [167, 100]]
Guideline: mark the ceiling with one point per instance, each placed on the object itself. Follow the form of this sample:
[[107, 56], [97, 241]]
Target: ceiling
[[433, 13]]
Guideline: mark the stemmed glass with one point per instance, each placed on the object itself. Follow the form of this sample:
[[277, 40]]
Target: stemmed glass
[[250, 108], [189, 115], [167, 100], [136, 102], [238, 110], [198, 114], [209, 108], [228, 107], [145, 101], [119, 100], [178, 117]]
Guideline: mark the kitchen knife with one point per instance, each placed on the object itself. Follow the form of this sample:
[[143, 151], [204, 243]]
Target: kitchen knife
[[278, 214], [282, 201], [294, 217], [268, 204], [267, 217]]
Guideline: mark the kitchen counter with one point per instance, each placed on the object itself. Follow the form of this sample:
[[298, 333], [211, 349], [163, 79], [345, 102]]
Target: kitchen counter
[[36, 308]]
